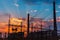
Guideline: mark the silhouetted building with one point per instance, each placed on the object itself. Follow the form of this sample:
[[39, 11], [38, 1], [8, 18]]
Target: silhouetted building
[[41, 35], [16, 36]]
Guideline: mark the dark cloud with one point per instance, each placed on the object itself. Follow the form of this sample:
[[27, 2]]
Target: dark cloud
[[36, 1], [31, 1]]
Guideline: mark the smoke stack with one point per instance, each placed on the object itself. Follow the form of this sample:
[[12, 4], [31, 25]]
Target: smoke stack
[[55, 25]]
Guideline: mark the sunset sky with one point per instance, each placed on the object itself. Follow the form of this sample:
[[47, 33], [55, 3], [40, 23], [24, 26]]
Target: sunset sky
[[19, 8], [36, 8]]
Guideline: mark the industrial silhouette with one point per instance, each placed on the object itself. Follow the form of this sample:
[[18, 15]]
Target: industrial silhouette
[[39, 35]]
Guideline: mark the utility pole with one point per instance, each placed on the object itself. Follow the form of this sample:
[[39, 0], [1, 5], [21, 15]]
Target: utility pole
[[21, 26], [9, 27], [32, 28], [41, 29], [55, 25]]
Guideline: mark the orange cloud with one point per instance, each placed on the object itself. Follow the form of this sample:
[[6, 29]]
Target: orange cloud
[[16, 23]]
